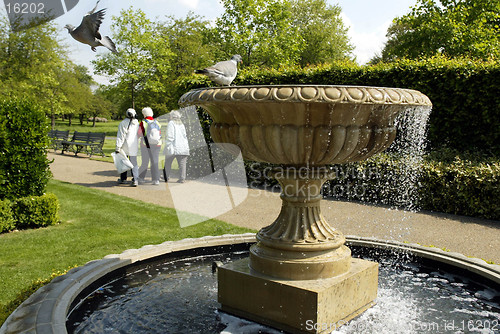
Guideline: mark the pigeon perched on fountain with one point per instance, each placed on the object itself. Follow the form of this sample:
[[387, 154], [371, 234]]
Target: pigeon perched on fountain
[[224, 72], [88, 31]]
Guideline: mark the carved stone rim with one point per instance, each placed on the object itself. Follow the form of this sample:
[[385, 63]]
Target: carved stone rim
[[305, 94]]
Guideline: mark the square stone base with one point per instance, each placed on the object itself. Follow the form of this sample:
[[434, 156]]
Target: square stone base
[[308, 306]]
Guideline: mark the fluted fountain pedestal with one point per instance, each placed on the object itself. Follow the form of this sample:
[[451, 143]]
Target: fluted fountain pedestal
[[300, 276], [300, 244]]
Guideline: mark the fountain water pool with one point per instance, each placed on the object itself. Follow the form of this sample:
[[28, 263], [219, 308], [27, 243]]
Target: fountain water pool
[[177, 294]]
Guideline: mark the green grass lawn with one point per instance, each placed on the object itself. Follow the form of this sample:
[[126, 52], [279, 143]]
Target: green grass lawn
[[93, 224], [110, 127]]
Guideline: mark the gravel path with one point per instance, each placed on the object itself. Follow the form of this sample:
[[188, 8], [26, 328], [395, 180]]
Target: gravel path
[[470, 236]]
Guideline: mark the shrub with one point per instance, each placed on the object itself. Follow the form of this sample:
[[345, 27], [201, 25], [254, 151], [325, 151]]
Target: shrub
[[36, 211], [6, 217], [24, 167]]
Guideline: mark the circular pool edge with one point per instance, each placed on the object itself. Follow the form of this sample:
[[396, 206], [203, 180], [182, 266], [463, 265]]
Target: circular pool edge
[[46, 310]]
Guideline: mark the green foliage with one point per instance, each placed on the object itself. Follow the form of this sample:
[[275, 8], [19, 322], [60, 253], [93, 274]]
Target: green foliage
[[465, 95], [261, 31], [143, 61], [75, 83], [24, 167], [460, 185], [31, 64], [281, 32], [36, 211], [187, 40], [452, 28], [29, 212], [34, 65], [7, 222], [322, 30]]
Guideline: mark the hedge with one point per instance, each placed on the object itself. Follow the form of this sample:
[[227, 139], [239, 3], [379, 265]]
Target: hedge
[[465, 187], [7, 221], [24, 167], [458, 186], [465, 93], [29, 212]]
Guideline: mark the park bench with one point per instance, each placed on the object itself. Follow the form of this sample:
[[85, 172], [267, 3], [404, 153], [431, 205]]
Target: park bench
[[57, 137], [87, 142]]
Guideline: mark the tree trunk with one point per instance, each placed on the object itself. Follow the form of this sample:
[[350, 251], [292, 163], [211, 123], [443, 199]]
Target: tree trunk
[[70, 117], [53, 121], [132, 93], [93, 121], [81, 118]]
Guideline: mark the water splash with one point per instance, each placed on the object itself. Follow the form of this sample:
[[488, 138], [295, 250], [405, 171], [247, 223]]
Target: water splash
[[409, 149], [389, 178]]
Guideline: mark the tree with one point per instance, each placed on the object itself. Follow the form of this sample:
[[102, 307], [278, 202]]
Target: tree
[[323, 32], [261, 31], [143, 59], [187, 42], [449, 27], [75, 83], [34, 65], [98, 105]]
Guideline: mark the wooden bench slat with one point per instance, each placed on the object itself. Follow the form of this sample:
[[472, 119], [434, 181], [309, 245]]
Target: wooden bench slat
[[57, 137], [89, 142]]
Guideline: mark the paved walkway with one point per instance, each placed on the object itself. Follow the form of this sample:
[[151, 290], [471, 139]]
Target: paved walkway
[[470, 236]]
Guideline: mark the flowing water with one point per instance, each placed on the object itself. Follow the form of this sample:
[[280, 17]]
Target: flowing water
[[409, 147]]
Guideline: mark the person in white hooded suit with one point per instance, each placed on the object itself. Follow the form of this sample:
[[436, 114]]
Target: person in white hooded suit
[[177, 146], [127, 140]]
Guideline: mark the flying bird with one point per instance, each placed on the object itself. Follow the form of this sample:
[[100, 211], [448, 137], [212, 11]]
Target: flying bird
[[224, 72], [88, 31]]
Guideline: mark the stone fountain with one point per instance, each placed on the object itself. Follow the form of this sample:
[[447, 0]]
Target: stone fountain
[[300, 277]]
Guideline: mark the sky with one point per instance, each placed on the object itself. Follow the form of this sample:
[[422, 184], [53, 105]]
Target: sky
[[367, 20]]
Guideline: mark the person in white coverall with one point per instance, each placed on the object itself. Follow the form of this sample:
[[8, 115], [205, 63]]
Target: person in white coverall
[[127, 140], [177, 146], [150, 134]]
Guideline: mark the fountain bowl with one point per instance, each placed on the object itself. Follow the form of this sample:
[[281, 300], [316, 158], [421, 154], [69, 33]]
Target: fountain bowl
[[302, 128], [311, 125]]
